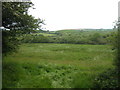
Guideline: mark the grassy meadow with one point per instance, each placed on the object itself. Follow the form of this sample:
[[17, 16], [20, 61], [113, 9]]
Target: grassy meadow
[[35, 57], [50, 65]]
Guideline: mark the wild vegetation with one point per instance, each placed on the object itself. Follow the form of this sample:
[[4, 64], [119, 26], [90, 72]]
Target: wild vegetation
[[56, 59], [70, 36], [56, 65]]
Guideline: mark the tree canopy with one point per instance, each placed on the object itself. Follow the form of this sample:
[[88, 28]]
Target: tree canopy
[[15, 17]]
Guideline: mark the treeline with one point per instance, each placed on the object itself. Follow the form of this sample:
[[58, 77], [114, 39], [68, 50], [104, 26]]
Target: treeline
[[72, 37]]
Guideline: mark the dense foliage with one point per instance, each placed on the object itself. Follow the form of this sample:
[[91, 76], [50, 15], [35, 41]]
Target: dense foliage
[[72, 37], [17, 21], [107, 79], [118, 53], [111, 77]]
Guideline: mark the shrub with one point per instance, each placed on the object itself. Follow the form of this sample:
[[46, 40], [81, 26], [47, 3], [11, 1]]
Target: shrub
[[12, 73], [35, 39], [107, 79], [82, 80]]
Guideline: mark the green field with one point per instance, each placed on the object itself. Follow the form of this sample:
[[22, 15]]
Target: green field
[[44, 34], [42, 65]]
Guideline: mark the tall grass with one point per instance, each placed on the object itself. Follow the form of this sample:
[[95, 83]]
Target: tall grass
[[56, 65]]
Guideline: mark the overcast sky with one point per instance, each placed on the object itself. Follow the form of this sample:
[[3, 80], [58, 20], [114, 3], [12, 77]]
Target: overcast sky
[[74, 14]]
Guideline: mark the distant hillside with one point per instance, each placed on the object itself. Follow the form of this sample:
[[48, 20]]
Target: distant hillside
[[72, 36]]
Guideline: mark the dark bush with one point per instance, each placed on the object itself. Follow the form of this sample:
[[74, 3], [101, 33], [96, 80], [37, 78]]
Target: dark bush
[[35, 39], [107, 79], [11, 74]]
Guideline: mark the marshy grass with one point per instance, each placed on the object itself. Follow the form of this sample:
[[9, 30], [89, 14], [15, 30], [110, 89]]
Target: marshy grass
[[43, 65]]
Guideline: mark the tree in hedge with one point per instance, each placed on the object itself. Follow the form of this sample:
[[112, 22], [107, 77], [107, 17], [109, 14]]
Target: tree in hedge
[[15, 17], [111, 77], [95, 38], [118, 53]]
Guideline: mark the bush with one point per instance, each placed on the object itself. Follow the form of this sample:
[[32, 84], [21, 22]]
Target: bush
[[107, 79], [35, 39], [12, 73], [82, 80], [94, 38]]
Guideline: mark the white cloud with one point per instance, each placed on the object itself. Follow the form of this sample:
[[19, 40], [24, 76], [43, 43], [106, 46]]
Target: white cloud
[[64, 14]]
